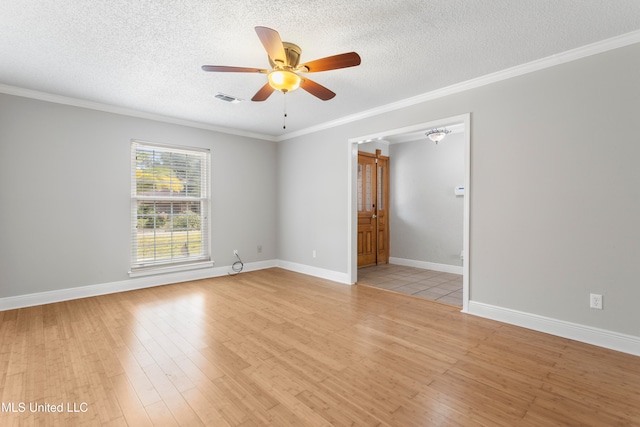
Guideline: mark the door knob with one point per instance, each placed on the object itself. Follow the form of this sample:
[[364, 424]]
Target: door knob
[[374, 216]]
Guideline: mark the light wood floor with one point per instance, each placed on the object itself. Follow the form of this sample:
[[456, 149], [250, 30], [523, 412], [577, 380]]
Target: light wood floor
[[279, 348]]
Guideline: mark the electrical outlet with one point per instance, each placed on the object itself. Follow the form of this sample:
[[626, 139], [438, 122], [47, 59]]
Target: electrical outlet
[[259, 249], [595, 301], [235, 252], [314, 253]]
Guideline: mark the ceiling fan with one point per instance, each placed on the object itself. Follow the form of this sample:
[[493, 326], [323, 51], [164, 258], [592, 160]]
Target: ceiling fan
[[285, 75]]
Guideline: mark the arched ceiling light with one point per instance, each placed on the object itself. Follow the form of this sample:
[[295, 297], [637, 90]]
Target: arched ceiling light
[[437, 135]]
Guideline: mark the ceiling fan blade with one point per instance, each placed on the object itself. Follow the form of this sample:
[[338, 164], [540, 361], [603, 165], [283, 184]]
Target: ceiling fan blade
[[226, 69], [272, 44], [316, 89], [264, 92], [334, 62]]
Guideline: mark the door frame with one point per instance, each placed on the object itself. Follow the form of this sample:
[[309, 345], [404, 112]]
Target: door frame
[[352, 242]]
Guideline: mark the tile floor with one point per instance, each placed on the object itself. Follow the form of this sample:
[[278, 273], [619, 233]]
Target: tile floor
[[430, 284]]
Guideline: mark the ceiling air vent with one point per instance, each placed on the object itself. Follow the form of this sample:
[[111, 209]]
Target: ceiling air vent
[[228, 98]]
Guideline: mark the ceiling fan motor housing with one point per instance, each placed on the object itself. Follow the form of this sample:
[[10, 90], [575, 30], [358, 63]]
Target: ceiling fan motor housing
[[292, 53]]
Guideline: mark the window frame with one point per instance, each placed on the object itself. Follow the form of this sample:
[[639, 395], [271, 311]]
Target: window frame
[[157, 265]]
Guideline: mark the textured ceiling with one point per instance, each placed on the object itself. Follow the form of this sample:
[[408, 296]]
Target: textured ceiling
[[146, 55]]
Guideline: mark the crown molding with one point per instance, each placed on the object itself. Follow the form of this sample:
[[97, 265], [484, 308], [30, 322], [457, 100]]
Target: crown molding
[[82, 103], [530, 67]]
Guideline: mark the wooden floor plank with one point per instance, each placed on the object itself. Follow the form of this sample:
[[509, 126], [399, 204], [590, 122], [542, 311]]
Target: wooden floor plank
[[171, 397], [132, 409], [144, 389], [160, 415], [206, 411], [278, 348]]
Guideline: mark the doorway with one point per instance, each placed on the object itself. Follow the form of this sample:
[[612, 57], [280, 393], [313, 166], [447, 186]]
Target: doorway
[[373, 208], [464, 121]]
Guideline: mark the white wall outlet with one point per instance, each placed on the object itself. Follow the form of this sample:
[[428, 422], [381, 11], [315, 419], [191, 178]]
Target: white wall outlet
[[595, 301], [314, 253], [259, 249], [235, 252]]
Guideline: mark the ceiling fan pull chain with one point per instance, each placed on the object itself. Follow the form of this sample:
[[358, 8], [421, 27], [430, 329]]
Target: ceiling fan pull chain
[[284, 119]]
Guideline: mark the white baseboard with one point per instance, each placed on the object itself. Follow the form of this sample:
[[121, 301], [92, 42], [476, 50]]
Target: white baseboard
[[29, 300], [315, 271], [600, 337], [445, 268], [259, 265], [586, 334]]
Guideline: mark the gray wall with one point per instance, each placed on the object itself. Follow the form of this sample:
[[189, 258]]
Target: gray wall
[[65, 194], [312, 201], [426, 217], [554, 196]]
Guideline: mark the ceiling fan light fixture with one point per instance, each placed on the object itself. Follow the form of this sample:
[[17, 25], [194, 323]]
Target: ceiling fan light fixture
[[284, 80], [284, 59], [437, 135]]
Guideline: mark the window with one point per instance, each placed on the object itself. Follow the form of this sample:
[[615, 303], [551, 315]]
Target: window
[[169, 207]]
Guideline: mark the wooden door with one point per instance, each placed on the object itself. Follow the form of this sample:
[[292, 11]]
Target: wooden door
[[373, 209]]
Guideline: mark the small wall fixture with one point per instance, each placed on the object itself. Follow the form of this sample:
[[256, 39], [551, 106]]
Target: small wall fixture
[[437, 135]]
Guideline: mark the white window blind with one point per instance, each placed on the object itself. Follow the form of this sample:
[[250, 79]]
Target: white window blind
[[170, 205]]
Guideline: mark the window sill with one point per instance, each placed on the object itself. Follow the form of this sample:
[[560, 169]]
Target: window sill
[[151, 271]]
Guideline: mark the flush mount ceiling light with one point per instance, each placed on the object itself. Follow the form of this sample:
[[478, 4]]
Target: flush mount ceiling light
[[437, 135], [284, 80]]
